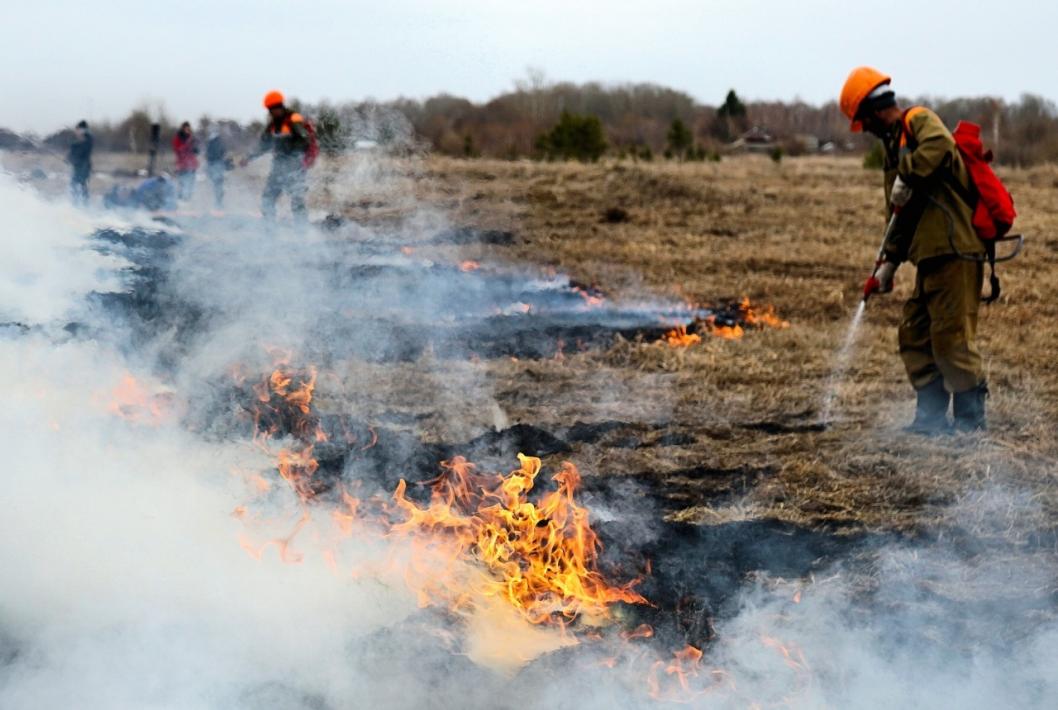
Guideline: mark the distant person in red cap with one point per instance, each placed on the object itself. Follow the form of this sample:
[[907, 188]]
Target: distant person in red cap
[[185, 148], [291, 140]]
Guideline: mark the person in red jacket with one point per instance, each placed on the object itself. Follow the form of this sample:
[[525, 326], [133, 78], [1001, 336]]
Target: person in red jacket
[[185, 148]]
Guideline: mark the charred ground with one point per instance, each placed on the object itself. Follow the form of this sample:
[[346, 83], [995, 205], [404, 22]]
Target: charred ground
[[797, 235], [723, 439], [715, 447]]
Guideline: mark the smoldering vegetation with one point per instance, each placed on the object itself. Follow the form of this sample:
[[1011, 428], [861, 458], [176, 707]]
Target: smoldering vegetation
[[137, 361]]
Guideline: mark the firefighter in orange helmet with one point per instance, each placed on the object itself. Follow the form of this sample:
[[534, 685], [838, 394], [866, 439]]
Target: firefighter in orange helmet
[[287, 138], [925, 180]]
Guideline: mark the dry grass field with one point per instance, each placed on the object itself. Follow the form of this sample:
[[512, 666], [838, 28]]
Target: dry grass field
[[708, 470], [731, 426], [801, 236]]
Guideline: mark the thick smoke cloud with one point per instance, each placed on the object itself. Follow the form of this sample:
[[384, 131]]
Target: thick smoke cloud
[[45, 272], [124, 584]]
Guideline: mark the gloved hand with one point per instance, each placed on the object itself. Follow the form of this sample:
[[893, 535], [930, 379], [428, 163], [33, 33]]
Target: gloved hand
[[881, 281], [900, 195]]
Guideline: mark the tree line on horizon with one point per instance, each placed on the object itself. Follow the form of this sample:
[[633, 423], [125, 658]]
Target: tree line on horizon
[[587, 121]]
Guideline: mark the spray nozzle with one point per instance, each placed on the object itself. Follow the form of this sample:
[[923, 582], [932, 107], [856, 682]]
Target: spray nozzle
[[870, 286]]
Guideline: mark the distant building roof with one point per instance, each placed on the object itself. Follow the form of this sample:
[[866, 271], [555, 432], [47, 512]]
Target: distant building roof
[[756, 140], [758, 134]]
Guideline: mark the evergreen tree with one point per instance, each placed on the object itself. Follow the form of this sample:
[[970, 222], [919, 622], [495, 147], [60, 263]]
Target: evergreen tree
[[680, 140], [573, 137], [730, 117], [330, 132]]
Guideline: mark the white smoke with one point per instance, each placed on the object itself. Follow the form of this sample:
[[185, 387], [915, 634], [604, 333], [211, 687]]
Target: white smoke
[[892, 640], [45, 272], [124, 585], [123, 581]]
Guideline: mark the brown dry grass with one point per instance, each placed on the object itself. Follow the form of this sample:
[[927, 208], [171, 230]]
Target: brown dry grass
[[800, 235]]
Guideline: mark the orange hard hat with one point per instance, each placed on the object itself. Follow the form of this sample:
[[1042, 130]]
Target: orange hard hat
[[861, 82], [273, 98]]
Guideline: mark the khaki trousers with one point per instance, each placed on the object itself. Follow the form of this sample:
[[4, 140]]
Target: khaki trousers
[[939, 324]]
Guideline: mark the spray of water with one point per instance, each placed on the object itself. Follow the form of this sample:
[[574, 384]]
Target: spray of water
[[841, 363]]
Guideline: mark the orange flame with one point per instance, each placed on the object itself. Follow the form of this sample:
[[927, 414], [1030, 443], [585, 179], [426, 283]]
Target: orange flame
[[591, 297], [484, 542], [748, 316], [643, 631], [135, 402], [288, 394], [469, 265], [279, 383], [541, 557], [283, 544], [679, 338], [680, 679], [761, 317], [792, 656], [727, 332], [345, 519], [297, 468], [479, 539]]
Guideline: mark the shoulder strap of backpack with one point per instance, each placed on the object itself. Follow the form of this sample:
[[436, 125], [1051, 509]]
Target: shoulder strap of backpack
[[968, 195], [908, 137]]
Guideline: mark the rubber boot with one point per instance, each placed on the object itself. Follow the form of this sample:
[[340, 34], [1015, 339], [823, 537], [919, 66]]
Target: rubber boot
[[931, 412], [968, 409]]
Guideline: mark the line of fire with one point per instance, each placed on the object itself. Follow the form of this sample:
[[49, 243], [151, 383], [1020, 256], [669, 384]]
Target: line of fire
[[483, 533]]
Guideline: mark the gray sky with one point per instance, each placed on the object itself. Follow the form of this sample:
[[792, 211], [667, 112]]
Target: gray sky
[[68, 59]]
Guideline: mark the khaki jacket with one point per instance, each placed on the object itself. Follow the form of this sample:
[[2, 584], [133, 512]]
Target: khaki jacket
[[926, 158]]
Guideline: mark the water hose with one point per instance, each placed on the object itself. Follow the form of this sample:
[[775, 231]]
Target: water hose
[[990, 250], [980, 258], [873, 284]]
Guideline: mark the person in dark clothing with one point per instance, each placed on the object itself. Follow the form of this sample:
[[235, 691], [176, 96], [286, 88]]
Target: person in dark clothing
[[80, 160], [217, 164], [185, 147], [288, 139]]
